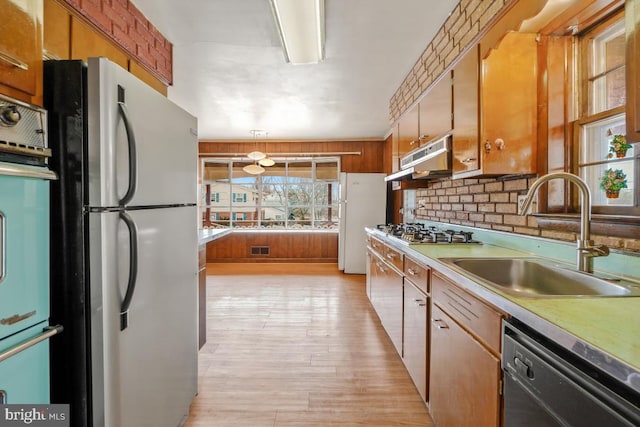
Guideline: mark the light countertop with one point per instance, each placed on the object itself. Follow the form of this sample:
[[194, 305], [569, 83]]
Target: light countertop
[[603, 330], [208, 234]]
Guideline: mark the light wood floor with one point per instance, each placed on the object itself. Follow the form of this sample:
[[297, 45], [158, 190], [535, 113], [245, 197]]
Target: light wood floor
[[298, 345]]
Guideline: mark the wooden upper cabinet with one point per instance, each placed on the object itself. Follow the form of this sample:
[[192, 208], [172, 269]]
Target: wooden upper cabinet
[[466, 149], [509, 106], [495, 109], [68, 36], [632, 18], [435, 110], [21, 49], [57, 27], [408, 131], [86, 43], [140, 72]]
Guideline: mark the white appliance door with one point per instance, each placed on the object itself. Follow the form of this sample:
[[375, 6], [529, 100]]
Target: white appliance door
[[142, 148], [149, 374], [365, 205], [342, 228]]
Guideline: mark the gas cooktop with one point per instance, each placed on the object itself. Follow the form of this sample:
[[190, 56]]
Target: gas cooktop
[[416, 233]]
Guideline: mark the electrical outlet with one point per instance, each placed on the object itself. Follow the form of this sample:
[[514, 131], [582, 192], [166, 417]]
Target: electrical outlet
[[422, 203]]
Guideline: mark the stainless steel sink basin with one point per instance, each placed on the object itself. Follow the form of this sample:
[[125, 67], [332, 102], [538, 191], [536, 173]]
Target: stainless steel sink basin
[[534, 278]]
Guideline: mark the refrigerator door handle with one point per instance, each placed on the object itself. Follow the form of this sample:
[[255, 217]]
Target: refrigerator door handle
[[47, 332], [133, 269], [133, 158], [3, 247]]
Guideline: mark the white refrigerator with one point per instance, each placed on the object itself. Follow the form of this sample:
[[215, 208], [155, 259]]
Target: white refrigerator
[[363, 201], [124, 248]]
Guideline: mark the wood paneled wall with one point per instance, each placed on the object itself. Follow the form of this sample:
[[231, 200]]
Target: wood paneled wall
[[370, 160], [285, 246]]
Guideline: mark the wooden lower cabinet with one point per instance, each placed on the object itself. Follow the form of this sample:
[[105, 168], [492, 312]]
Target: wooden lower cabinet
[[464, 377], [416, 308], [386, 298]]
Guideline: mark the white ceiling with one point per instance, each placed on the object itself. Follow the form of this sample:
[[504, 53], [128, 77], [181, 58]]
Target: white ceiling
[[229, 68]]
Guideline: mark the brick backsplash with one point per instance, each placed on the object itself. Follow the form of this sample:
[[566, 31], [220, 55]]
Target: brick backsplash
[[492, 203], [121, 21]]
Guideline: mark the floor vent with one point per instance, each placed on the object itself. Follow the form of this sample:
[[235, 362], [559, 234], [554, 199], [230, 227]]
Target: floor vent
[[260, 250]]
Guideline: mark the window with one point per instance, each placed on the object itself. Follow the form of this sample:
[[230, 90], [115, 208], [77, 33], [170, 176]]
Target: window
[[291, 194], [607, 163]]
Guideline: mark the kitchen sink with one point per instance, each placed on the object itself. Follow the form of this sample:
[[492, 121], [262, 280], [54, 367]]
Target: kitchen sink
[[534, 278]]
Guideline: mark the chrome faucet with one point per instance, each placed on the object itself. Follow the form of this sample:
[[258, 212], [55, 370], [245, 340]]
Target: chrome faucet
[[585, 247]]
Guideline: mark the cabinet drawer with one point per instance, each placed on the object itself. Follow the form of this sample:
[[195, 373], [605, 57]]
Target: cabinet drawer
[[376, 245], [417, 274], [394, 257], [478, 318]]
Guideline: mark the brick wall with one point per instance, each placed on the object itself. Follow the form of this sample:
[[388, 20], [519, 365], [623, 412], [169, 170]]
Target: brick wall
[[493, 204], [484, 203], [466, 21], [126, 25]]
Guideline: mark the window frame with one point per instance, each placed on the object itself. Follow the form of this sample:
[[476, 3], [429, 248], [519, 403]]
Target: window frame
[[585, 117], [260, 223]]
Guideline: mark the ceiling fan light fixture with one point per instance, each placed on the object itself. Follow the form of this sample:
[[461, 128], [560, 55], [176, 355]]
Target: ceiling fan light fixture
[[253, 169], [256, 155], [266, 162], [301, 27]]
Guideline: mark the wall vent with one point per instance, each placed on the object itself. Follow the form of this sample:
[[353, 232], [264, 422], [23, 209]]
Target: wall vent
[[260, 250]]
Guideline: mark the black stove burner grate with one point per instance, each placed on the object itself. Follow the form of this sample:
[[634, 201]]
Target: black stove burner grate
[[420, 233]]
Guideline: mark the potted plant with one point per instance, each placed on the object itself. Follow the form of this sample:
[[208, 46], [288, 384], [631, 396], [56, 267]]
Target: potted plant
[[612, 182], [618, 146]]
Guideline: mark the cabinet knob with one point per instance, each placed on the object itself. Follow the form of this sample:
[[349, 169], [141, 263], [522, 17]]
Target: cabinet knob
[[439, 323], [9, 115]]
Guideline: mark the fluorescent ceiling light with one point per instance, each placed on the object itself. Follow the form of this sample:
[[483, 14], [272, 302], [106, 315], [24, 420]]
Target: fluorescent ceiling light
[[301, 27]]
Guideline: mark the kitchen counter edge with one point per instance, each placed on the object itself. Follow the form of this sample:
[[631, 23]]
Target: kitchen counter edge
[[624, 371]]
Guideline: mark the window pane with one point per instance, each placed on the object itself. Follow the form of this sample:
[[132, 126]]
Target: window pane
[[326, 217], [273, 194], [597, 136], [287, 194], [273, 216], [327, 171], [275, 174], [299, 213], [606, 69], [299, 194], [300, 172], [609, 49], [239, 175], [215, 171], [593, 176], [600, 157]]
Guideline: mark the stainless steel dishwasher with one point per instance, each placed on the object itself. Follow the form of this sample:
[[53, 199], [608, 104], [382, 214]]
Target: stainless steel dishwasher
[[545, 385]]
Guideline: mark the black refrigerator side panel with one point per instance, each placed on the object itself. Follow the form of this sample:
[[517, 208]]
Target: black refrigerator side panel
[[65, 100]]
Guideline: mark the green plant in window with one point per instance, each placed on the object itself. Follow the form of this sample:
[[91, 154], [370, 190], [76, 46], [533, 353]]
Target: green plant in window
[[612, 182], [618, 146]]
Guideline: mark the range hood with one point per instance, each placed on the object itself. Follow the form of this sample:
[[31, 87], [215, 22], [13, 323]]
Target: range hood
[[433, 160]]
